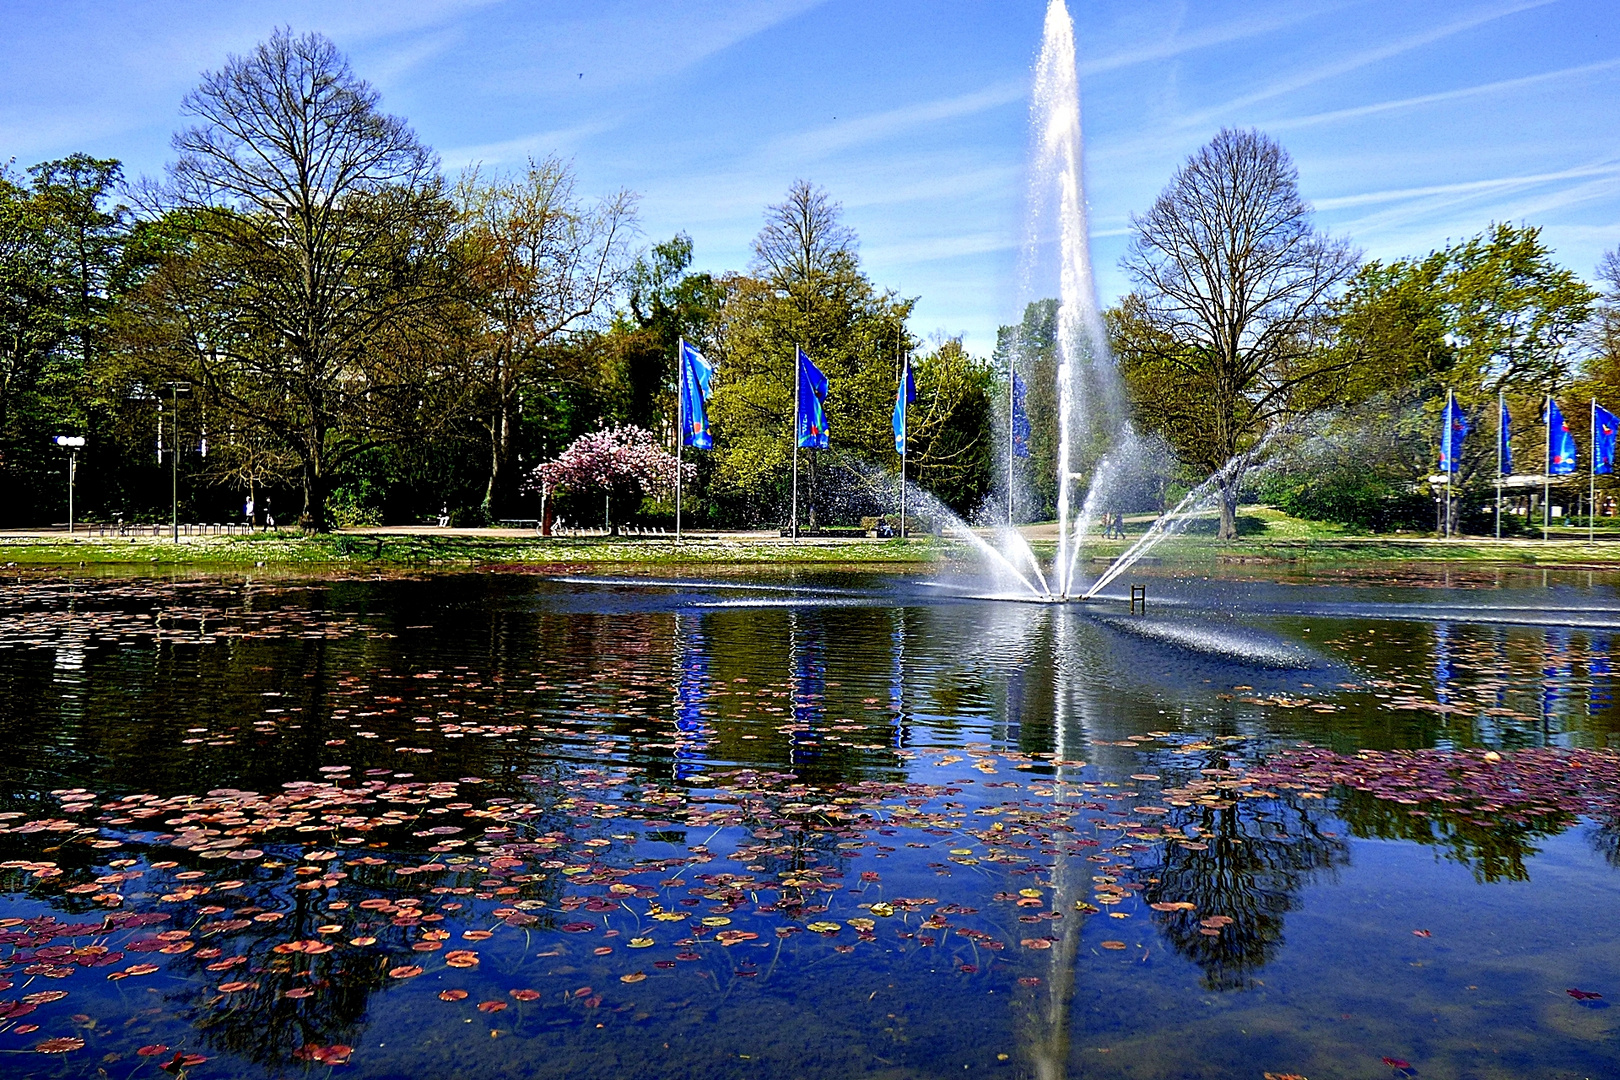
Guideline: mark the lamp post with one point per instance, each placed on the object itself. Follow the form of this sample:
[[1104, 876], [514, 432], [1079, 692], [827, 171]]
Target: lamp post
[[177, 390], [72, 444]]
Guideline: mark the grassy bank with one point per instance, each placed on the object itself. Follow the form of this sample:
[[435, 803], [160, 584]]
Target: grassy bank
[[1268, 536], [288, 549]]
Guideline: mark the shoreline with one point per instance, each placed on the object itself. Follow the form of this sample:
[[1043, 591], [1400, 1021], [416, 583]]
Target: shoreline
[[505, 549]]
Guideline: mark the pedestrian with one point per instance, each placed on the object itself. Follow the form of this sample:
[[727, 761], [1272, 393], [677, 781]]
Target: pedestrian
[[269, 518], [247, 511], [444, 516]]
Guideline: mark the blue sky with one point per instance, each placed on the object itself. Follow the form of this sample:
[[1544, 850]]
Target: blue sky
[[1411, 123]]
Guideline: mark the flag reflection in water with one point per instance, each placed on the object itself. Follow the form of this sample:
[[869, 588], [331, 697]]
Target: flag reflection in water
[[1556, 671], [1443, 669], [1597, 666], [808, 645], [692, 730]]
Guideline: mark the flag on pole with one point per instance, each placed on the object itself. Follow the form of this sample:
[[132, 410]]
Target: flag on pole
[[1451, 436], [1604, 425], [695, 375], [1020, 419], [1504, 432], [812, 421], [1561, 455], [904, 395]]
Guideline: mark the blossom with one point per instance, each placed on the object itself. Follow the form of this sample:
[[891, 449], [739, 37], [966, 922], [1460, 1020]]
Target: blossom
[[617, 455]]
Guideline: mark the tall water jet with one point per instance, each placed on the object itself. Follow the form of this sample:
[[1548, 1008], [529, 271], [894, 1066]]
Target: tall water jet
[[1082, 344]]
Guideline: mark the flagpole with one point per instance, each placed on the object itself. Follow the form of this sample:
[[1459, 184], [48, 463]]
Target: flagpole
[[1546, 476], [680, 427], [905, 439], [1501, 437], [1591, 490], [798, 380], [1012, 373], [1451, 453]]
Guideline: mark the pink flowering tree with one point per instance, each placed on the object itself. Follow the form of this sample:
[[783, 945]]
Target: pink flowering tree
[[625, 461]]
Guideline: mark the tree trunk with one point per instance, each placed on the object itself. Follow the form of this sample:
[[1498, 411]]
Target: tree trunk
[[501, 490], [1229, 502], [313, 519]]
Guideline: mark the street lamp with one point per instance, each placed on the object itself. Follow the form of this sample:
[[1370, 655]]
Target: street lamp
[[177, 390], [72, 444]]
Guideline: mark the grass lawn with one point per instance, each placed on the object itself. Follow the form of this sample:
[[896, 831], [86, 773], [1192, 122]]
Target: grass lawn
[[1266, 535]]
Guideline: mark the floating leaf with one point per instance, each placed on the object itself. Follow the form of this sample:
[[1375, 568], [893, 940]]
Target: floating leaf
[[491, 1006], [408, 971], [641, 942], [524, 995], [1113, 945], [59, 1046], [1038, 943], [152, 1051], [45, 997], [452, 995], [633, 977]]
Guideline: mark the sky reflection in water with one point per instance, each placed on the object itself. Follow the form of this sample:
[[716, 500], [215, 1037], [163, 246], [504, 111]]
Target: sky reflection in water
[[853, 801]]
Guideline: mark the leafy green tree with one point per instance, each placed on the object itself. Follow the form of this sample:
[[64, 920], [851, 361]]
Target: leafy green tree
[[951, 451], [61, 234], [542, 263], [1030, 346], [1491, 315], [806, 289], [665, 303]]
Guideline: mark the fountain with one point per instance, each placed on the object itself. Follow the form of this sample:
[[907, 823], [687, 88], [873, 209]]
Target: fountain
[[1090, 394]]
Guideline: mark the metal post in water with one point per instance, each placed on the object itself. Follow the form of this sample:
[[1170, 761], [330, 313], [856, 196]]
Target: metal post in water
[[1138, 599]]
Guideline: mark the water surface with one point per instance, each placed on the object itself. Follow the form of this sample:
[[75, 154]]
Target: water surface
[[807, 825]]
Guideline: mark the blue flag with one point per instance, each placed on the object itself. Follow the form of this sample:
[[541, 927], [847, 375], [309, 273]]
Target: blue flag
[[812, 420], [1020, 419], [695, 375], [1451, 435], [1561, 456], [1604, 425], [904, 395], [1504, 433]]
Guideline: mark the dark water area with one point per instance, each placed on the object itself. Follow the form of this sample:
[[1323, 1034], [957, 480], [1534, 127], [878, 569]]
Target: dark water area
[[1357, 823]]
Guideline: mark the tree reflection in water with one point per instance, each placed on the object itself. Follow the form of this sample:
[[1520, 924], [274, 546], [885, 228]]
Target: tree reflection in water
[[1249, 854], [1493, 851]]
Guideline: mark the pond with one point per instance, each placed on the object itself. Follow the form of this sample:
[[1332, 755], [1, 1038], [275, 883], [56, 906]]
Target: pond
[[1355, 823]]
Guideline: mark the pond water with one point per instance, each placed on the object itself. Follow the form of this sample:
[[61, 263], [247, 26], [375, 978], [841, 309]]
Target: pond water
[[1359, 823]]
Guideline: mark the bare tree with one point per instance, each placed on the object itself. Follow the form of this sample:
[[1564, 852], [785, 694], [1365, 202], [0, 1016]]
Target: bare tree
[[541, 262], [317, 229], [1608, 309], [804, 248], [1231, 286]]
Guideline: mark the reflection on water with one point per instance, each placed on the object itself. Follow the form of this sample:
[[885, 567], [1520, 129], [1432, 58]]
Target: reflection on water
[[841, 813]]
